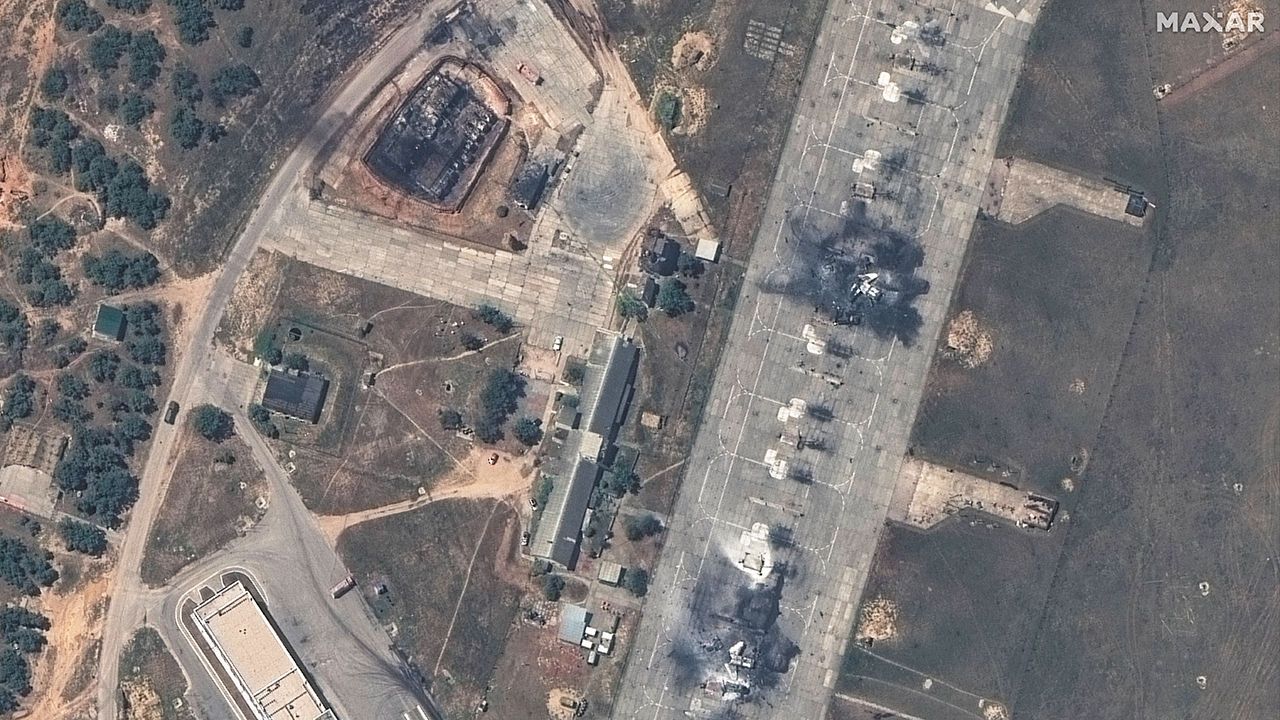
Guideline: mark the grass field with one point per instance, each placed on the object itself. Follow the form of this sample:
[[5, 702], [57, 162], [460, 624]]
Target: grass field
[[1107, 617], [205, 506], [452, 589]]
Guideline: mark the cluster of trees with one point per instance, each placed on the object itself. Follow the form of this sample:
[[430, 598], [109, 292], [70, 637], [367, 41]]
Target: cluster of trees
[[19, 400], [213, 423], [24, 568], [14, 329], [110, 44], [95, 466], [121, 185], [116, 271], [495, 317], [145, 344], [21, 633], [82, 537], [77, 16], [36, 270], [499, 399]]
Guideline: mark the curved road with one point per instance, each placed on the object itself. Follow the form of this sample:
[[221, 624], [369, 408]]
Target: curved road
[[129, 598]]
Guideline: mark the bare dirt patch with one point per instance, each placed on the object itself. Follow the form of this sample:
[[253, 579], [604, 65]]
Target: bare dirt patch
[[151, 680], [451, 607], [217, 494], [967, 341]]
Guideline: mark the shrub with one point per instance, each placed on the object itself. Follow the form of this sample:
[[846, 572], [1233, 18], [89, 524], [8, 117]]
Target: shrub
[[450, 419], [495, 317], [639, 528], [296, 361], [552, 587], [185, 85], [244, 37], [186, 128], [689, 265], [472, 342]]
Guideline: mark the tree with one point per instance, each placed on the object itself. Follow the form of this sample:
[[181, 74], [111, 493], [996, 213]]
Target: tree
[[499, 399], [82, 537], [145, 56], [674, 299], [116, 271], [137, 7], [107, 47], [135, 108], [20, 398], [213, 423], [528, 431], [231, 5], [186, 128], [70, 410], [51, 291], [51, 234], [103, 366], [244, 37], [296, 361], [77, 16], [574, 373], [185, 85], [552, 587], [636, 581], [639, 528], [72, 386], [631, 306], [689, 265], [148, 350], [233, 82], [136, 378], [472, 342], [495, 317], [450, 419], [133, 428], [193, 19], [24, 569], [54, 83], [14, 329]]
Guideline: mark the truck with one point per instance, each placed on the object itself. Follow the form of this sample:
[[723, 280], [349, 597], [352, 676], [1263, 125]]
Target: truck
[[343, 587]]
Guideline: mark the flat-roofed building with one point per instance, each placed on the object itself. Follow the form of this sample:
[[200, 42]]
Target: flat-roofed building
[[255, 658], [300, 396]]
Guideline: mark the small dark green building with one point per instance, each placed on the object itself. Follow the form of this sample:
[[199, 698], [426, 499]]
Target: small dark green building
[[110, 324]]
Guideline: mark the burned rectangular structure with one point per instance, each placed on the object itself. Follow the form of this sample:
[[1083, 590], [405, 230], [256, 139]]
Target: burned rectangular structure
[[434, 139]]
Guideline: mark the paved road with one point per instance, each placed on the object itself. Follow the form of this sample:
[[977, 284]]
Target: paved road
[[128, 599], [957, 65]]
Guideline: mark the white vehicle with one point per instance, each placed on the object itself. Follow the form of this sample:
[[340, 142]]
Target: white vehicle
[[558, 343]]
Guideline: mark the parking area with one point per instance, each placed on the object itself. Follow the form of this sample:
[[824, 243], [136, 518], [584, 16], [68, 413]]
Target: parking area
[[790, 477]]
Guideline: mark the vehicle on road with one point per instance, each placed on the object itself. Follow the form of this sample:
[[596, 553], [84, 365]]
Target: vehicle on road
[[524, 539], [343, 587], [171, 412]]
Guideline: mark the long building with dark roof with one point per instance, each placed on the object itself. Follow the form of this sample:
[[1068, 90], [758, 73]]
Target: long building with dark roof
[[607, 388]]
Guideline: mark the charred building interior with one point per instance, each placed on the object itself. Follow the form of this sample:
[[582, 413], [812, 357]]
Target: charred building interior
[[437, 141]]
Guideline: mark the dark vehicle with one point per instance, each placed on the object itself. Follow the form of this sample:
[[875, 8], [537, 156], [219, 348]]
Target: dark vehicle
[[171, 412]]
